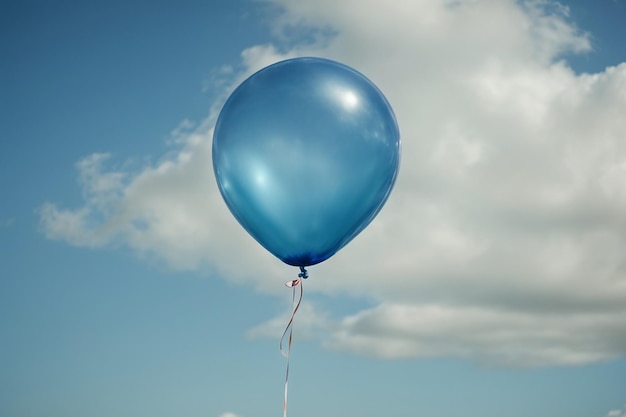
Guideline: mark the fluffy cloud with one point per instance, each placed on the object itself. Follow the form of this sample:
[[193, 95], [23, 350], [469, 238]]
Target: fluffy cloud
[[506, 338], [503, 240]]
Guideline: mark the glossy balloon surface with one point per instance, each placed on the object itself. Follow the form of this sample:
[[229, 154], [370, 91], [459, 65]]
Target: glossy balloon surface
[[305, 153]]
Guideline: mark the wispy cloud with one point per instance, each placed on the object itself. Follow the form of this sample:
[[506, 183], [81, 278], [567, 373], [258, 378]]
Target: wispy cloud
[[229, 415], [503, 240], [617, 413]]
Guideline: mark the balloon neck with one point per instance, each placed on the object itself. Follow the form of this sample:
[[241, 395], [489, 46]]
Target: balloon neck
[[304, 274]]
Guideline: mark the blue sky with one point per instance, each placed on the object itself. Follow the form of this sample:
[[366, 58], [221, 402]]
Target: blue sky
[[491, 284]]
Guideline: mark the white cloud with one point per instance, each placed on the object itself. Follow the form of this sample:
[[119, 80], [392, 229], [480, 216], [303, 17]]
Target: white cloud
[[617, 413], [504, 239], [509, 338], [309, 322], [172, 210], [229, 415]]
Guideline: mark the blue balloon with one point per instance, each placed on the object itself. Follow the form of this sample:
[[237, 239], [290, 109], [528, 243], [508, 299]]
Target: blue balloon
[[306, 152]]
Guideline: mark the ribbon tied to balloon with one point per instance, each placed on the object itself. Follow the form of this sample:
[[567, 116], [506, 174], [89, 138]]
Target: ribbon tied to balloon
[[305, 153]]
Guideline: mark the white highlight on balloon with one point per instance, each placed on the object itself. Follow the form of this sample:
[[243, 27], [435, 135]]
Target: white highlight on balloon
[[349, 100]]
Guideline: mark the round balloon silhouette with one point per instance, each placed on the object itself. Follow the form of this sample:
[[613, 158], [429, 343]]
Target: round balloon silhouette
[[305, 152]]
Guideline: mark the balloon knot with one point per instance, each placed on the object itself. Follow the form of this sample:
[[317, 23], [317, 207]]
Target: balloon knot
[[304, 274]]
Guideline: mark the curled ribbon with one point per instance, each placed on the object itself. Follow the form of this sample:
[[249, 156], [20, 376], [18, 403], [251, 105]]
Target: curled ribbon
[[289, 328]]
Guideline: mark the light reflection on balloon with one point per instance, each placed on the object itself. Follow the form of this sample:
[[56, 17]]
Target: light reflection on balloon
[[350, 100], [305, 153]]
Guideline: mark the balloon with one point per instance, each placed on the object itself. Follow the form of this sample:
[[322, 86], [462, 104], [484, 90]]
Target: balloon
[[305, 153]]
